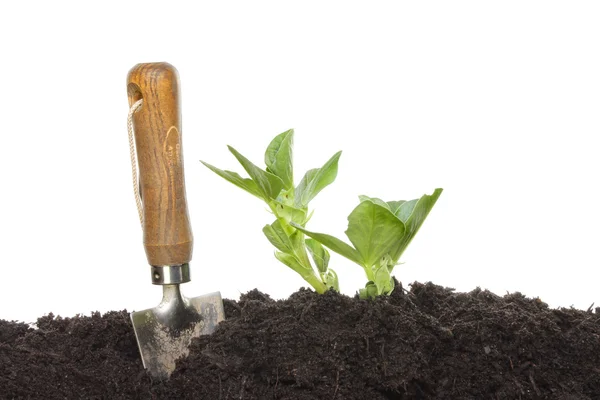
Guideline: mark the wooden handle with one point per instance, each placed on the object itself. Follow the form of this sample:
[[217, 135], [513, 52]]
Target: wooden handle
[[157, 125]]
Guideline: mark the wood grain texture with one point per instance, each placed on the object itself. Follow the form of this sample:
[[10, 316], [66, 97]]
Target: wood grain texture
[[157, 125]]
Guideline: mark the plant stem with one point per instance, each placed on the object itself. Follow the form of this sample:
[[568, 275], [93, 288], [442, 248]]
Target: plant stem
[[369, 272], [316, 283]]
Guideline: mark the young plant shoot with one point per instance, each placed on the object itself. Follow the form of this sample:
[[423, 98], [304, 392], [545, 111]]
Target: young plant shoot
[[380, 232], [275, 186]]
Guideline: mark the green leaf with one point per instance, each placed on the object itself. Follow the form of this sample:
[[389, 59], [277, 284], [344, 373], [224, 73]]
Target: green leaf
[[286, 196], [319, 254], [395, 205], [290, 213], [418, 213], [309, 217], [294, 264], [279, 158], [268, 184], [308, 177], [316, 180], [334, 244], [373, 230], [369, 291], [406, 209], [375, 200], [278, 237], [331, 280], [299, 247], [387, 262], [382, 279], [247, 184]]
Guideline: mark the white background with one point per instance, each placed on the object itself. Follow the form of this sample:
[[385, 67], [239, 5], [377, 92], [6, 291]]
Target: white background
[[496, 102]]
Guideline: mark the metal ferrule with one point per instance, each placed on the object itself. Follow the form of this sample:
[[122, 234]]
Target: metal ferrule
[[170, 274]]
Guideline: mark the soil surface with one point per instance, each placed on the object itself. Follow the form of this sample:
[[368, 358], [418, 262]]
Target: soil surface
[[426, 343]]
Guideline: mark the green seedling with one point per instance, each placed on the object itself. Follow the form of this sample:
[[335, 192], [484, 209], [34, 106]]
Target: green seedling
[[275, 186], [379, 232]]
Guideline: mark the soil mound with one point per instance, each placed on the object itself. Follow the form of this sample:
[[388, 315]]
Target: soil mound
[[426, 343]]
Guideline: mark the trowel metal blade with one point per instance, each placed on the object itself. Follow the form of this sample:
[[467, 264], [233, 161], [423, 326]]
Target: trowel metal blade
[[165, 332]]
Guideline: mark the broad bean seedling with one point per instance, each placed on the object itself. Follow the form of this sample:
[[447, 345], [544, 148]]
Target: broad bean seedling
[[379, 231]]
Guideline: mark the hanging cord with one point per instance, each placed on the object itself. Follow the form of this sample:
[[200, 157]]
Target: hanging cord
[[134, 173]]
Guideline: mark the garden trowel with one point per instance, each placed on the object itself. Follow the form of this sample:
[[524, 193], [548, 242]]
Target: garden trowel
[[164, 332]]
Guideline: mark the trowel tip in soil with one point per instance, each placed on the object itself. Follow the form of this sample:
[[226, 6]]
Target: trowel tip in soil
[[165, 332]]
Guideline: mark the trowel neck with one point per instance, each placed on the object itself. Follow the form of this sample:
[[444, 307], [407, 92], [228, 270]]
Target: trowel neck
[[172, 296]]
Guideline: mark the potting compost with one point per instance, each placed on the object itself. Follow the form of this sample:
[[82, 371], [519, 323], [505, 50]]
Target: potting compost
[[426, 343]]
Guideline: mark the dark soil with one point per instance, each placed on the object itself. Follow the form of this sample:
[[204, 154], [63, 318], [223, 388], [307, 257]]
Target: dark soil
[[428, 343]]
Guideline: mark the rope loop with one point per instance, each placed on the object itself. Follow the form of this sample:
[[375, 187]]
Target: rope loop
[[134, 170]]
